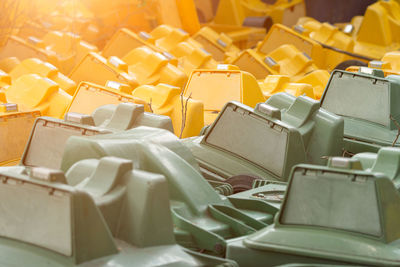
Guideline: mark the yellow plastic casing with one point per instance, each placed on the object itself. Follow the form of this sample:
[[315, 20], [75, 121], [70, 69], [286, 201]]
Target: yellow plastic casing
[[219, 45], [205, 10], [323, 57], [45, 70], [284, 60], [32, 28], [318, 79], [286, 12], [278, 83], [393, 59], [3, 100], [178, 13], [229, 20], [97, 69], [150, 67], [351, 28], [73, 16], [234, 12], [89, 96], [124, 40], [64, 50], [15, 128], [29, 48], [187, 114], [32, 92], [176, 42], [216, 87], [379, 31], [243, 37], [68, 48], [190, 58], [5, 82], [168, 37]]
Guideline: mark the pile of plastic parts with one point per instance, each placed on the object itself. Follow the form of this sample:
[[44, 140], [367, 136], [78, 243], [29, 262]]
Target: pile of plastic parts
[[200, 133]]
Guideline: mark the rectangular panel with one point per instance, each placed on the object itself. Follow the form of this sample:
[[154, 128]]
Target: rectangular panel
[[360, 97], [214, 88], [29, 213], [332, 200], [241, 133], [14, 133], [47, 143]]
